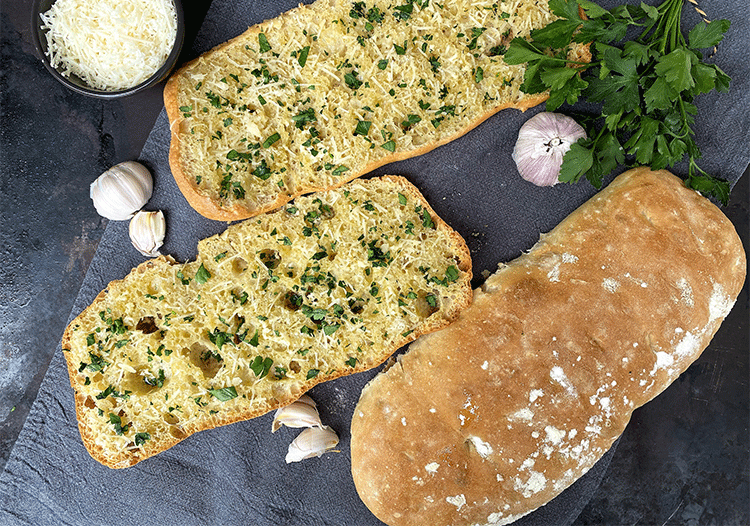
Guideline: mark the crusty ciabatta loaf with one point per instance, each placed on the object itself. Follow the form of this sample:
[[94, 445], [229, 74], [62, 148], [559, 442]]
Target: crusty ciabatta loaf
[[484, 421], [327, 286], [329, 91]]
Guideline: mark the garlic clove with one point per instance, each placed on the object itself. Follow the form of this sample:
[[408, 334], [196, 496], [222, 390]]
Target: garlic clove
[[542, 143], [305, 399], [147, 231], [312, 442], [122, 190], [302, 413]]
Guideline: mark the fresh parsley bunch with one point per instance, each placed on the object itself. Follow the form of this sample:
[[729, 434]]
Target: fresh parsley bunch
[[646, 85]]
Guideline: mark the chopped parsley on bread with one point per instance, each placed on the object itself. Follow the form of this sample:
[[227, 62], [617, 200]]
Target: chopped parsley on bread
[[329, 91], [329, 285]]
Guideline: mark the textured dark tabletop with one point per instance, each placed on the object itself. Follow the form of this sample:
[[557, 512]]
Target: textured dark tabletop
[[682, 460]]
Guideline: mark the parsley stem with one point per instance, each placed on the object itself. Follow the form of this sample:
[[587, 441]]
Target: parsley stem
[[694, 166], [675, 34], [599, 135], [671, 26], [685, 125]]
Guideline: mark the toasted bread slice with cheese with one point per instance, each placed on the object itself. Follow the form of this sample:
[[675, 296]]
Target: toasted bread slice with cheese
[[329, 285], [330, 91]]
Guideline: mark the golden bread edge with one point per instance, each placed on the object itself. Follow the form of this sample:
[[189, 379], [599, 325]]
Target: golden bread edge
[[124, 460], [209, 209]]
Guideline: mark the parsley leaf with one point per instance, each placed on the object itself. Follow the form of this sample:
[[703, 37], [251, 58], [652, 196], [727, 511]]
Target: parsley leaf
[[363, 128], [271, 139], [340, 169], [643, 73], [302, 56], [478, 75], [262, 171], [708, 185], [116, 421], [141, 438], [352, 81], [675, 69], [708, 35], [224, 394], [521, 51], [260, 366], [331, 328], [576, 162], [263, 42], [410, 121], [202, 275], [304, 117], [403, 12]]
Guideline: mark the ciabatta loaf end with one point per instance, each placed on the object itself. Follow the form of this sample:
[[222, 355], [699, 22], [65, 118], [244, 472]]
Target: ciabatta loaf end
[[327, 286], [492, 417], [329, 91]]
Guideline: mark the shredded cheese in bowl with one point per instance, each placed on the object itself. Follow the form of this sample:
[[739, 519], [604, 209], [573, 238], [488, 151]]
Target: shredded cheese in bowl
[[110, 45]]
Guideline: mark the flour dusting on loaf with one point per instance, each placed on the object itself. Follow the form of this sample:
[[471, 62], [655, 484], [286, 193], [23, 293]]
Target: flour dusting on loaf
[[329, 91], [327, 286], [490, 418]]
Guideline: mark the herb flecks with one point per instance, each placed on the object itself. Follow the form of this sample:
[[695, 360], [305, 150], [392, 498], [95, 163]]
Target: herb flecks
[[116, 421], [304, 117]]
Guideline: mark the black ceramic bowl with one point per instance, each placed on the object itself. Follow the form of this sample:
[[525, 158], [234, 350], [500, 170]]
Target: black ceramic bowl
[[78, 85]]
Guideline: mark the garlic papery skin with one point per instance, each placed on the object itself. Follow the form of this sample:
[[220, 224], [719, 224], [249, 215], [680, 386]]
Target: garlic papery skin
[[147, 231], [542, 142], [312, 442], [302, 413], [122, 190]]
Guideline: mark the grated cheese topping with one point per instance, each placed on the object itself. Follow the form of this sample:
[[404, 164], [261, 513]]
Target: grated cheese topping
[[328, 285], [110, 44], [315, 97]]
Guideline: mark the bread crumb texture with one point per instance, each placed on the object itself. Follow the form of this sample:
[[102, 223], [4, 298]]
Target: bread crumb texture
[[329, 285], [531, 385], [329, 91]]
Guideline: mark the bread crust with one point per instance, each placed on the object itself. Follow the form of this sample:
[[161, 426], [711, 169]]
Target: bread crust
[[88, 437], [492, 417], [211, 209], [208, 208], [101, 446]]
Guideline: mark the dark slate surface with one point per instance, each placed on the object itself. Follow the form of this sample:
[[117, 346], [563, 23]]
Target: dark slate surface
[[683, 459]]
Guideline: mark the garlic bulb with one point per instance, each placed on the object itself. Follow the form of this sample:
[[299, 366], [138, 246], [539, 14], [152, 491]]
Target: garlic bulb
[[122, 190], [147, 231], [312, 442], [302, 413], [541, 145]]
